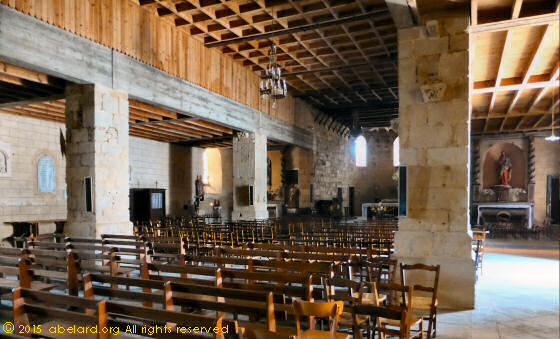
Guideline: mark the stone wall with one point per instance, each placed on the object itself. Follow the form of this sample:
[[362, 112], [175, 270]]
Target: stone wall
[[149, 165], [332, 164], [249, 170], [547, 162], [434, 141], [375, 181], [152, 164], [335, 166], [25, 141]]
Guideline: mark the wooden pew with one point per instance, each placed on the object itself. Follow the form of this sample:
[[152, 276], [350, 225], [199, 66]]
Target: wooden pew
[[57, 267], [31, 307], [222, 301], [178, 323], [16, 272]]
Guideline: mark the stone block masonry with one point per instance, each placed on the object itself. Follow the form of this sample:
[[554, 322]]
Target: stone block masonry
[[249, 169], [434, 141], [25, 141], [97, 143]]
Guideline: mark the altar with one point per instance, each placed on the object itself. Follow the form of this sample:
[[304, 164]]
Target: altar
[[366, 206], [504, 206]]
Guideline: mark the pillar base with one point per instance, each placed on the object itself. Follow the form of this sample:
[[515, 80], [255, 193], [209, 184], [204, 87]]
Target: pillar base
[[247, 214], [452, 251]]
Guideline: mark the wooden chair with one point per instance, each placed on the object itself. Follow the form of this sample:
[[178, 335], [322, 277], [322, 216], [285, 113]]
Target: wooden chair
[[400, 299], [330, 310], [424, 303], [479, 243], [350, 293]]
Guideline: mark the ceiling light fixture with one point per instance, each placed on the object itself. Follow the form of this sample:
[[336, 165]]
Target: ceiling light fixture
[[272, 87]]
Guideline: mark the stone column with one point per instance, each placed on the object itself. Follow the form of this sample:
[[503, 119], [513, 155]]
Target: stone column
[[434, 146], [97, 147], [249, 170]]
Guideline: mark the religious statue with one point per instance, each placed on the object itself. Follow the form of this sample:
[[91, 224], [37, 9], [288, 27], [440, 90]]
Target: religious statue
[[505, 169], [199, 188]]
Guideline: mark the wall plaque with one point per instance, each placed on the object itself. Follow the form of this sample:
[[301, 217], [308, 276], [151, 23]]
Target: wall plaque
[[46, 180]]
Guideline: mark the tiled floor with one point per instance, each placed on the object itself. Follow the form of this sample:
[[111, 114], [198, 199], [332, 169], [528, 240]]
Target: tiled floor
[[517, 297]]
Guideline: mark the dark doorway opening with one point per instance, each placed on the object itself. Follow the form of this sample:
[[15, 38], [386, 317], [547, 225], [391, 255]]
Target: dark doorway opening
[[553, 198]]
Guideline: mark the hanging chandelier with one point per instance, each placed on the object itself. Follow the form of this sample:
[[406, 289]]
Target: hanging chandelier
[[553, 137], [272, 87]]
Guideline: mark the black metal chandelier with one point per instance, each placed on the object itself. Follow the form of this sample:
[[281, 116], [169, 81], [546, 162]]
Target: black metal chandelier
[[272, 87]]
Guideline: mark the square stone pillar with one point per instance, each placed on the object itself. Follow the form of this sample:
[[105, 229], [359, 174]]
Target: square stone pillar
[[97, 148], [249, 170], [434, 129]]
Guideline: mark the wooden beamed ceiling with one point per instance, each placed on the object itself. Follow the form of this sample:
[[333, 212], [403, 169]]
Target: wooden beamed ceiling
[[339, 55], [515, 69], [32, 94]]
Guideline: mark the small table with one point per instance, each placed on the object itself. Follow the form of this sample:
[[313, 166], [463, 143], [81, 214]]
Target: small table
[[24, 229]]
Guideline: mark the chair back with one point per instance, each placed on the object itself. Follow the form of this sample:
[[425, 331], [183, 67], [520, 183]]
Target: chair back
[[345, 290], [418, 287], [331, 310]]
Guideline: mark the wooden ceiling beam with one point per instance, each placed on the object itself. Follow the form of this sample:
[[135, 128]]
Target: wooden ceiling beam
[[516, 8], [32, 100], [11, 79], [515, 87], [500, 70], [152, 109], [183, 128], [507, 25], [199, 128], [542, 91], [36, 112], [167, 131], [297, 29], [151, 135], [29, 75], [476, 116], [532, 64], [211, 125], [540, 120], [166, 121], [511, 130], [32, 115], [474, 12]]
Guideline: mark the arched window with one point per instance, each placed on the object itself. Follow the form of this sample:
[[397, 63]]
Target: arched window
[[396, 152], [212, 170], [361, 151], [205, 167]]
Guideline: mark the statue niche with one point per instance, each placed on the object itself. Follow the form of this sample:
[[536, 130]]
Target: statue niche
[[505, 172], [504, 164]]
